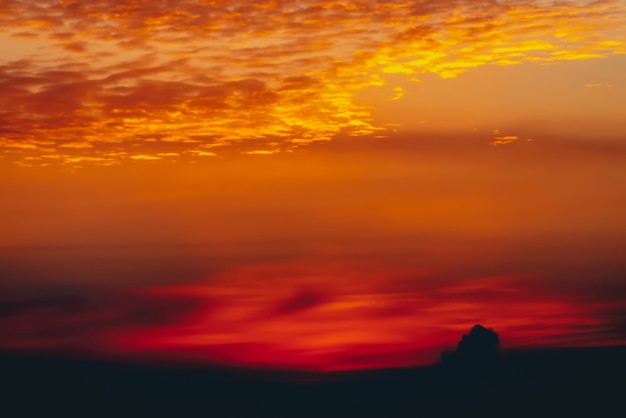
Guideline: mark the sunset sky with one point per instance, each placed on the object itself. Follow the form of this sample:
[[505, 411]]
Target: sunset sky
[[310, 183]]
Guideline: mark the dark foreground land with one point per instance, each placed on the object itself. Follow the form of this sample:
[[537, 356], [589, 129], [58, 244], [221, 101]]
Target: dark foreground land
[[551, 383]]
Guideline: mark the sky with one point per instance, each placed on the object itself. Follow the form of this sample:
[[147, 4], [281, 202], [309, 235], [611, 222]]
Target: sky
[[311, 184]]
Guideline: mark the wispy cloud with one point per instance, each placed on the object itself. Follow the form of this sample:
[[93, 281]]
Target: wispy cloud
[[264, 315]]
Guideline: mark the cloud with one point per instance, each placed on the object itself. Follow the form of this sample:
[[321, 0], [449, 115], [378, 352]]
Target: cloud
[[290, 314], [504, 140], [82, 320], [300, 301], [62, 302], [283, 72]]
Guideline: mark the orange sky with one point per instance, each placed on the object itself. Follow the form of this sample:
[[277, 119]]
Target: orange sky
[[311, 183]]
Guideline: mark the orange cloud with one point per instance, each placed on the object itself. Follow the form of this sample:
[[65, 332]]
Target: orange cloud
[[205, 75]]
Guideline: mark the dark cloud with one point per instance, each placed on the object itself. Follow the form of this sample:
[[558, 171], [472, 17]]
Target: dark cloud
[[301, 301], [64, 303], [83, 320]]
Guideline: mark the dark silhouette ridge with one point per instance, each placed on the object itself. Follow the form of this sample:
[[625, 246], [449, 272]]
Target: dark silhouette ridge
[[581, 382]]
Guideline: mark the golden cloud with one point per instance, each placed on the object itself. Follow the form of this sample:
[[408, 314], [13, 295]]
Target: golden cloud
[[144, 79]]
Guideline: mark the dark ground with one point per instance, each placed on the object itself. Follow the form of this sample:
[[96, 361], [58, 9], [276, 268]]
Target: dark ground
[[551, 383]]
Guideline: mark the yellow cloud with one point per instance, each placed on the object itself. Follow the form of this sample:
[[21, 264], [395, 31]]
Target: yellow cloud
[[503, 140]]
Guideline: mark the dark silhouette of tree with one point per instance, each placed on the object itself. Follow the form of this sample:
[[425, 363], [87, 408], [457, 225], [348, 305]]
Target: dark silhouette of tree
[[479, 348], [475, 360]]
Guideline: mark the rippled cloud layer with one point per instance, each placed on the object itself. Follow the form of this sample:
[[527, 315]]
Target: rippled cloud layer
[[111, 81]]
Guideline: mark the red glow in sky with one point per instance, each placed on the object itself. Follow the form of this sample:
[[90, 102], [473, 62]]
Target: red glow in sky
[[311, 184]]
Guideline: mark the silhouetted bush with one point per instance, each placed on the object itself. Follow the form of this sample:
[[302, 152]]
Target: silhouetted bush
[[478, 348], [476, 357]]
